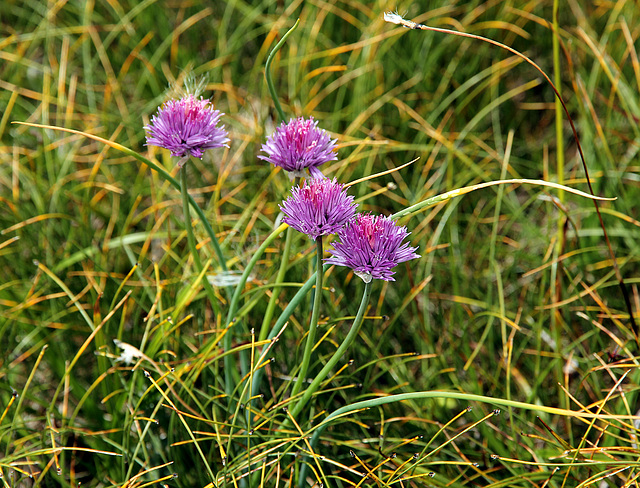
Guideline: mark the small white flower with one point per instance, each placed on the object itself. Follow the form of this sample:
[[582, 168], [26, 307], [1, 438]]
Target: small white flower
[[129, 353]]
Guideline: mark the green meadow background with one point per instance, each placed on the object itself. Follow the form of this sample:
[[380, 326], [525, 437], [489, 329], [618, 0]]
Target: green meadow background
[[516, 296]]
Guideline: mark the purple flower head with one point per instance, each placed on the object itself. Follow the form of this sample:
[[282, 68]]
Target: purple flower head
[[299, 145], [319, 207], [372, 246], [187, 127]]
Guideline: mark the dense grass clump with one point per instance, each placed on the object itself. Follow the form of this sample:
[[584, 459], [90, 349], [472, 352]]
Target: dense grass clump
[[154, 320]]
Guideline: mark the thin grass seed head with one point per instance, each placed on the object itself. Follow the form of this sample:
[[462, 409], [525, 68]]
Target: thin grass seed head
[[299, 146], [318, 207], [393, 17], [396, 18], [187, 127], [372, 246]]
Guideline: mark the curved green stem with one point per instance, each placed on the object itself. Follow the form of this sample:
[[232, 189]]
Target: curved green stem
[[284, 262], [233, 306], [282, 320], [192, 239], [428, 202], [267, 71], [422, 395], [337, 356], [313, 325]]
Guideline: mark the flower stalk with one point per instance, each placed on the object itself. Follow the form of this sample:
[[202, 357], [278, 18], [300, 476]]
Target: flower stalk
[[282, 321], [275, 291], [191, 239], [313, 325], [267, 70], [235, 300], [337, 356]]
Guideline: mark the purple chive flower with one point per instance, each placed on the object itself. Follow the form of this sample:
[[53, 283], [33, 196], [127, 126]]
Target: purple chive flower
[[187, 127], [372, 246], [299, 145], [319, 207]]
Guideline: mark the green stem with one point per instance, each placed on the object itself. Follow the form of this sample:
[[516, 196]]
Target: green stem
[[456, 395], [233, 306], [313, 325], [192, 203], [284, 263], [192, 239], [337, 356], [267, 71], [282, 320], [275, 293]]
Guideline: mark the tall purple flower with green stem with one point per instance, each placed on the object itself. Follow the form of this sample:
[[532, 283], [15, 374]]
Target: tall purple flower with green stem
[[298, 147], [371, 245], [188, 127], [317, 208]]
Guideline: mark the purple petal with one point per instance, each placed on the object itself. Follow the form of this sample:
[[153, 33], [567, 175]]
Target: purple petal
[[298, 146], [187, 127], [372, 246], [318, 207]]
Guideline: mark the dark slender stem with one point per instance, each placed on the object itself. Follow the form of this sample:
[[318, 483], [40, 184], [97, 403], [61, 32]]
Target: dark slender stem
[[614, 262]]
